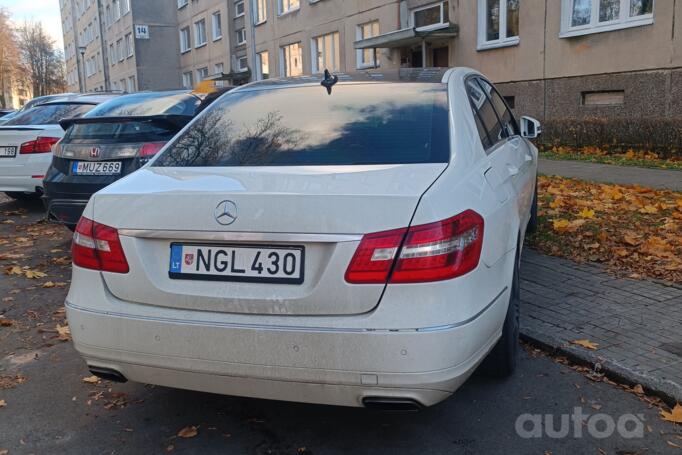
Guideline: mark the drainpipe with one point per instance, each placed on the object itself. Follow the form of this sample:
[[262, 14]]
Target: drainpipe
[[423, 53], [252, 18], [103, 45]]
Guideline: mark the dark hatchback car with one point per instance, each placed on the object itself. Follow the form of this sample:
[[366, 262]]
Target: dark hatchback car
[[111, 141]]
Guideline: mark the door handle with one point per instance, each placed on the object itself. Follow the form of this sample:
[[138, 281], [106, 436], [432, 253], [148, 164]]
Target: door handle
[[528, 157], [513, 170]]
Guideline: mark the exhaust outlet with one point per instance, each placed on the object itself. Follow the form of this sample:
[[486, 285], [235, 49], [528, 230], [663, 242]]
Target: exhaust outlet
[[392, 404], [107, 374]]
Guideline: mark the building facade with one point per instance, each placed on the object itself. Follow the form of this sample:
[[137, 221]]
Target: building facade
[[125, 45], [551, 58]]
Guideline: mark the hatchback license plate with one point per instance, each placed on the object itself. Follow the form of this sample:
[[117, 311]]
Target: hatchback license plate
[[8, 152], [252, 264], [96, 168]]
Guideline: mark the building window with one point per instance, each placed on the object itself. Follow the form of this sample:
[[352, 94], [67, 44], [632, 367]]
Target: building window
[[200, 33], [607, 98], [185, 43], [291, 58], [239, 8], [365, 57], [125, 7], [241, 36], [187, 81], [325, 51], [582, 17], [112, 55], [182, 3], [287, 6], [263, 65], [130, 46], [260, 8], [242, 63], [202, 73], [498, 23], [431, 17], [117, 10], [131, 84], [119, 50], [217, 26], [218, 68]]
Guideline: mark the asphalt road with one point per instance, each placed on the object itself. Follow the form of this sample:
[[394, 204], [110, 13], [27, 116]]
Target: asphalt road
[[49, 409]]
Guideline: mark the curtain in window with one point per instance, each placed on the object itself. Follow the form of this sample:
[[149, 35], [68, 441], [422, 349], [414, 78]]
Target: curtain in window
[[582, 13]]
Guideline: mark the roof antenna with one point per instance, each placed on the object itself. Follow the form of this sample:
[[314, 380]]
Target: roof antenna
[[329, 81]]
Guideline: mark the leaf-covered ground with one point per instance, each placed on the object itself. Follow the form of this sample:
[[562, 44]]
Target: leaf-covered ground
[[641, 158], [634, 231]]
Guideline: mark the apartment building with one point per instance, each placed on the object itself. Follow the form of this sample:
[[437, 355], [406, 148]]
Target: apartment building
[[120, 45], [203, 36], [551, 58]]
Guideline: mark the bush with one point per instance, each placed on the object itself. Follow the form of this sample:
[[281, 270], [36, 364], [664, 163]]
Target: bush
[[660, 135]]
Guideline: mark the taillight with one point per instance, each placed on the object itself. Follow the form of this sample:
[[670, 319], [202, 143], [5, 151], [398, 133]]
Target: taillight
[[373, 259], [150, 149], [40, 145], [429, 252], [98, 247]]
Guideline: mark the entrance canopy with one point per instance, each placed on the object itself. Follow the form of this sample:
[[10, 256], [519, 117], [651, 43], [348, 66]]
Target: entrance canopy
[[407, 37]]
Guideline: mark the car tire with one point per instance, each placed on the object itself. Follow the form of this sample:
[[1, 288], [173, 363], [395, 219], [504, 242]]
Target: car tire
[[501, 362], [20, 196], [533, 221]]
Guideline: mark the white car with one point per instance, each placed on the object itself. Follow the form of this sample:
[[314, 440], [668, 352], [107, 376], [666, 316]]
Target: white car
[[358, 247], [26, 142]]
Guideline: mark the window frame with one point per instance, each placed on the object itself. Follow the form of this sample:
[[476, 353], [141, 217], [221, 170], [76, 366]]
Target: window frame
[[623, 22], [185, 46], [240, 68], [494, 145], [482, 22], [130, 45], [190, 77], [359, 53], [259, 65], [236, 8], [280, 7], [202, 74], [437, 26], [197, 35], [282, 60], [241, 36], [216, 25], [182, 3], [257, 10], [335, 37]]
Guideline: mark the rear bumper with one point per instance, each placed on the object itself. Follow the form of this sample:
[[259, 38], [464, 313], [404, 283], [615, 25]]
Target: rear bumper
[[339, 366], [21, 184]]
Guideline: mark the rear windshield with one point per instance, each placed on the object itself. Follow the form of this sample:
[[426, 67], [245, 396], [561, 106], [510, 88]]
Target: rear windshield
[[358, 124], [143, 104], [50, 114]]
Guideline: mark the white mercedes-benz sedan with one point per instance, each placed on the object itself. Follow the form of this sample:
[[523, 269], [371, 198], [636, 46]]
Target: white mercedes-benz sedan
[[355, 243]]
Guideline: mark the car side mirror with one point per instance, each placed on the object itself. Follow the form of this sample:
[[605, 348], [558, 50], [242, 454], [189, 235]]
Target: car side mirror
[[530, 128]]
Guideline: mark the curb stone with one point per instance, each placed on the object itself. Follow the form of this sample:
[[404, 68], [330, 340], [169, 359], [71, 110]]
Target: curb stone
[[668, 391]]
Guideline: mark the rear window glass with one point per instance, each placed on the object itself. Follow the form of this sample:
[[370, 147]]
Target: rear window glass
[[358, 124], [50, 114], [141, 104], [111, 133]]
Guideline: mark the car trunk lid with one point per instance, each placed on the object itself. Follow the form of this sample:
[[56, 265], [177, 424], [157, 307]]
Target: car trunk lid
[[323, 209]]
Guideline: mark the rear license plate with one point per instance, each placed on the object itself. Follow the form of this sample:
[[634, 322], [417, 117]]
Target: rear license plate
[[8, 152], [252, 264], [96, 168]]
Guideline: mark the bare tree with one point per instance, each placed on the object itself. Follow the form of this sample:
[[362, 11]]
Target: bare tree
[[9, 56], [44, 64]]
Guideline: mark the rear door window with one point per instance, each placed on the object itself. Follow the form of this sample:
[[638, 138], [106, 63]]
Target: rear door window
[[358, 124], [50, 114], [487, 118], [506, 118]]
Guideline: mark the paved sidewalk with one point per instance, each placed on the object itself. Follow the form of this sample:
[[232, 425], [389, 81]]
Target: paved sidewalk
[[609, 173], [637, 324]]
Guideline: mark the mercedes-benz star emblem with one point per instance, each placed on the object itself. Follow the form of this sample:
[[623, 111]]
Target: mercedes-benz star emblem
[[226, 213]]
